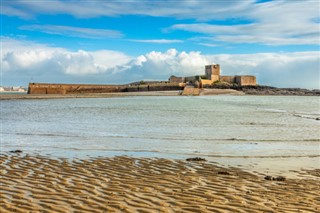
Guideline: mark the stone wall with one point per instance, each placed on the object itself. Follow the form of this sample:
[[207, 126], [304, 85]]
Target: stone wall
[[228, 79], [246, 80], [215, 78], [205, 82], [38, 88], [42, 88], [155, 87]]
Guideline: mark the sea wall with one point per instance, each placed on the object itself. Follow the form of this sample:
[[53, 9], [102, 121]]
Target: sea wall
[[43, 88], [155, 87]]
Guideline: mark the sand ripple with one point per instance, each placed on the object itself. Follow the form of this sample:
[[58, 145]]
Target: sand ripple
[[125, 184]]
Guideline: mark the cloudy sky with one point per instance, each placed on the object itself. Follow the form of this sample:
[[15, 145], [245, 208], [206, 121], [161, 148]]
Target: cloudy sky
[[120, 41]]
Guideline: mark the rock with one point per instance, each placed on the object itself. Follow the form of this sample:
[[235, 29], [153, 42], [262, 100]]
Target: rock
[[196, 159], [279, 178], [223, 173], [318, 119], [268, 177], [16, 151]]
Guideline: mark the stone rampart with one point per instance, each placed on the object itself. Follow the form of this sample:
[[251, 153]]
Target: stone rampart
[[43, 88], [215, 78], [155, 87], [228, 79], [246, 80]]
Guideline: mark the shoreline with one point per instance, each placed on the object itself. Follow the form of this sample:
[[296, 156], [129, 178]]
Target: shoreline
[[87, 95], [118, 94], [127, 184], [203, 92]]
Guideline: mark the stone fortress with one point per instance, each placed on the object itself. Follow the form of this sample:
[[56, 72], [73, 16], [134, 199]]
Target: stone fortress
[[212, 76]]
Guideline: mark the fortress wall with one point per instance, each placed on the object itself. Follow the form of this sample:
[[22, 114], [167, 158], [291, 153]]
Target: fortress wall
[[246, 80], [215, 78], [55, 90], [40, 88], [228, 79], [206, 82], [155, 87], [35, 90]]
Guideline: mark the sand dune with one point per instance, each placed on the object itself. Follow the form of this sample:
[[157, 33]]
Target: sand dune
[[125, 184]]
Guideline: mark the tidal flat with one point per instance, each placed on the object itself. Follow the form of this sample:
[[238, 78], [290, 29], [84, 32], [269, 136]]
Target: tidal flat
[[129, 154]]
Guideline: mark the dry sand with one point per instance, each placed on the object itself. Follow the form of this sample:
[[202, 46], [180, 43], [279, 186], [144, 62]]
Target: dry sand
[[125, 184]]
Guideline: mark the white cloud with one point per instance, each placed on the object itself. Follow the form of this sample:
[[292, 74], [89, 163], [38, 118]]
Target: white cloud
[[272, 23], [279, 22], [74, 31], [195, 9], [157, 41], [160, 65], [26, 60], [23, 61]]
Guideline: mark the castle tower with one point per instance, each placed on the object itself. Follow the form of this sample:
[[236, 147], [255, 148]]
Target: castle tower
[[212, 72]]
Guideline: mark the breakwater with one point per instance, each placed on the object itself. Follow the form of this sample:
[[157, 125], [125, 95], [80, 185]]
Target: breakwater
[[46, 88]]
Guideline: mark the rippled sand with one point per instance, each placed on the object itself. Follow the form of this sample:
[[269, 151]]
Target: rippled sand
[[125, 184]]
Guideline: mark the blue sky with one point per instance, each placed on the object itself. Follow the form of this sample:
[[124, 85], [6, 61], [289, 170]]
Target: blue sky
[[122, 41]]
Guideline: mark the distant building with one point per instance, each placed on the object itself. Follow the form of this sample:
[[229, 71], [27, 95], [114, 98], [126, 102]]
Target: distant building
[[12, 89], [212, 75]]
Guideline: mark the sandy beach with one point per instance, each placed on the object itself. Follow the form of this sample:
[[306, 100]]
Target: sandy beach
[[126, 184], [87, 95], [4, 96]]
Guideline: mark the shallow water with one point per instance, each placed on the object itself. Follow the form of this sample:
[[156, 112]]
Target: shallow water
[[227, 129]]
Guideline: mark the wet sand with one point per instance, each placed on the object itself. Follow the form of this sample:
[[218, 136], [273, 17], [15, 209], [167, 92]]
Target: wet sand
[[221, 92], [126, 184], [88, 95], [4, 96]]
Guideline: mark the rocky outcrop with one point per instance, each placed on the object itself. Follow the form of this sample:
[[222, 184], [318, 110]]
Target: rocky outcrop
[[190, 90], [266, 90]]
